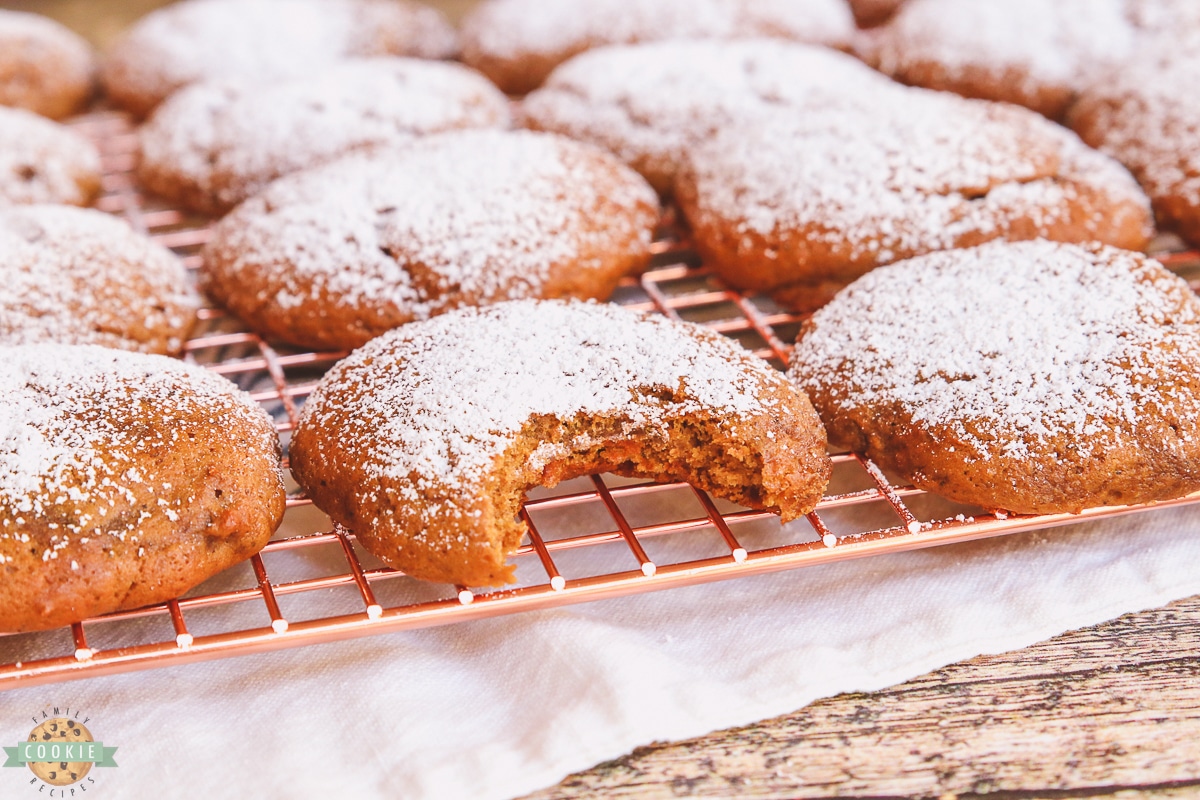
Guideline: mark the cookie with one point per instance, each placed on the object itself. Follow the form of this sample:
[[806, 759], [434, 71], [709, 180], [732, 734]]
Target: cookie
[[77, 276], [331, 258], [517, 43], [826, 196], [1137, 114], [424, 442], [262, 40], [213, 145], [869, 13], [44, 67], [1033, 377], [650, 103], [1030, 52], [44, 162], [125, 480]]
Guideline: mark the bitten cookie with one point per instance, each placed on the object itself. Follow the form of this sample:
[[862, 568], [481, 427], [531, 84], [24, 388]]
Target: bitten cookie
[[425, 441], [828, 195], [77, 276], [1033, 377], [44, 162], [1030, 52], [1139, 114], [125, 479], [650, 103], [262, 40], [44, 67], [213, 145], [517, 43], [333, 257]]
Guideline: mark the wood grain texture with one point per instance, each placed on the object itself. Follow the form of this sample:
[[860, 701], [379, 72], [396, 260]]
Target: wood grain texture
[[1110, 711]]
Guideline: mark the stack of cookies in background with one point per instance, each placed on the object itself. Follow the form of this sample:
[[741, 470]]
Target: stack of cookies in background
[[459, 203]]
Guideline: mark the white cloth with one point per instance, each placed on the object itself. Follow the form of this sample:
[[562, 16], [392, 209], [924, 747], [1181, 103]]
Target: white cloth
[[501, 707]]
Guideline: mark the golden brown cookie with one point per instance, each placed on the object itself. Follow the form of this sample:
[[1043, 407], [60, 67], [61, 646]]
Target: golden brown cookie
[[77, 276], [262, 40], [212, 145], [1033, 377], [1031, 52], [44, 162], [828, 195], [44, 67], [1139, 114], [125, 479], [650, 103], [333, 257], [425, 441], [869, 13], [517, 43]]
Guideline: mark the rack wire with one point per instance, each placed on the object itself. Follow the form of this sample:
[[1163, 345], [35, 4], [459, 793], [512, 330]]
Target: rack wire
[[593, 538]]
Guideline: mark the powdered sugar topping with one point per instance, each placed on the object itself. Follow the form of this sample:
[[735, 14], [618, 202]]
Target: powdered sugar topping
[[435, 403], [510, 28], [230, 139], [44, 162], [649, 103], [1009, 345], [477, 213], [76, 276], [901, 171], [1140, 114], [267, 39]]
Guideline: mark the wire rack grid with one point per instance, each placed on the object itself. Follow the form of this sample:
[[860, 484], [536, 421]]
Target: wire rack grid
[[592, 538]]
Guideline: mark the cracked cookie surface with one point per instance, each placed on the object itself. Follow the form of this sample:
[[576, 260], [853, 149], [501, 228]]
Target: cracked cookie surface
[[825, 196], [333, 257]]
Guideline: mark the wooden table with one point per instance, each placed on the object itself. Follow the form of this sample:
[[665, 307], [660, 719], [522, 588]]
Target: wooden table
[[1110, 711]]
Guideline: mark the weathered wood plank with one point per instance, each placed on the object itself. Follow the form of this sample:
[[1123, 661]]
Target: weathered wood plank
[[1109, 711]]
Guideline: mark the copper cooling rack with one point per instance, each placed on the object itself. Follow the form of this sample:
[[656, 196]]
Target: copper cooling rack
[[592, 538]]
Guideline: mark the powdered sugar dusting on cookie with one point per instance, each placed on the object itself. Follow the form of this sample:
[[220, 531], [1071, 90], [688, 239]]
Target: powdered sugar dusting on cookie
[[468, 216], [649, 103], [1030, 41], [1007, 345], [76, 276], [265, 39], [511, 28], [228, 140], [72, 427], [444, 398], [901, 171], [1140, 115], [43, 162]]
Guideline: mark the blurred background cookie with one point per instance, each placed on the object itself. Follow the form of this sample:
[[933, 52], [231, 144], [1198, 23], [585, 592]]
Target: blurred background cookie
[[517, 43], [197, 40], [1139, 114], [424, 442], [44, 67], [1033, 377], [212, 145], [77, 276], [44, 162], [650, 103], [1036, 53], [332, 257], [125, 479]]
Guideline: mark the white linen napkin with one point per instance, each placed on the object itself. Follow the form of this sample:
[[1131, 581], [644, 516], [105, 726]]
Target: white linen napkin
[[497, 708]]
